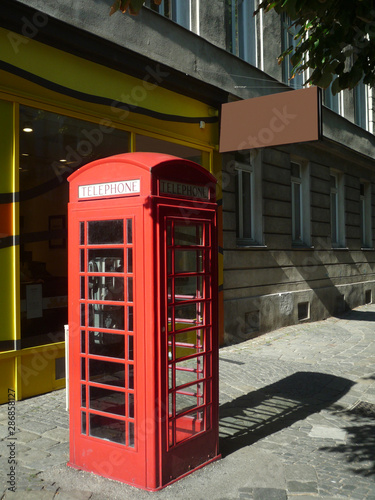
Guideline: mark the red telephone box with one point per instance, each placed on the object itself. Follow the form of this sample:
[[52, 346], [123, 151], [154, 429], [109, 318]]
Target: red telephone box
[[143, 338]]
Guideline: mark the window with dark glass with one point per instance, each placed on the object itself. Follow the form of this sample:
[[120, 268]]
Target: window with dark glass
[[51, 147]]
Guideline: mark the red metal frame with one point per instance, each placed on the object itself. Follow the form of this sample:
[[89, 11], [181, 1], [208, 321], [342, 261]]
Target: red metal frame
[[125, 379]]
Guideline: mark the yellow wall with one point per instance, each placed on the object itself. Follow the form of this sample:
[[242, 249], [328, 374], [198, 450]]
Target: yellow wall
[[7, 254]]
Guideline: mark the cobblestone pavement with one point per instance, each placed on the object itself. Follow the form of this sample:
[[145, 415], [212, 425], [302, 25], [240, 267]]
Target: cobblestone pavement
[[297, 421]]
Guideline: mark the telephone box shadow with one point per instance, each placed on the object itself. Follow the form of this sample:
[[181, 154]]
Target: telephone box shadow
[[260, 413]]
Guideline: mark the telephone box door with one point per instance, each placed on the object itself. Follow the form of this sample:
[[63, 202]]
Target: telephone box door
[[107, 404], [189, 338]]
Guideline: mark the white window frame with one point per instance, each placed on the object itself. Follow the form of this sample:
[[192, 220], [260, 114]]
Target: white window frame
[[245, 31], [365, 212], [302, 211], [254, 169], [334, 102], [361, 105], [337, 209], [288, 32], [180, 11]]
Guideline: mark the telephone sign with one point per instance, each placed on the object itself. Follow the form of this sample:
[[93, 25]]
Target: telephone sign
[[143, 318]]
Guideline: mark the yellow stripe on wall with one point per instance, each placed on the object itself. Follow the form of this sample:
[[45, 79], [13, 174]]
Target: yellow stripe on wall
[[7, 259]]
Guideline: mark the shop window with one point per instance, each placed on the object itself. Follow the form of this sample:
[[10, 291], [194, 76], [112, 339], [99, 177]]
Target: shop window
[[365, 214], [300, 185], [177, 10], [249, 222], [245, 42], [289, 30], [145, 143], [337, 207], [51, 147]]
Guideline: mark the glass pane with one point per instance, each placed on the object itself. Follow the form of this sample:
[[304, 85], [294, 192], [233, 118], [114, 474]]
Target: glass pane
[[170, 319], [188, 425], [107, 401], [169, 262], [83, 420], [169, 291], [131, 405], [83, 396], [188, 234], [188, 343], [188, 261], [297, 210], [334, 235], [82, 261], [81, 233], [129, 231], [103, 316], [82, 287], [83, 342], [189, 398], [83, 368], [188, 287], [130, 318], [188, 315], [295, 170], [107, 344], [130, 377], [246, 204], [169, 233], [189, 370], [130, 348], [107, 428], [82, 314], [130, 260], [105, 372], [104, 232], [106, 288], [131, 434], [130, 289], [109, 260]]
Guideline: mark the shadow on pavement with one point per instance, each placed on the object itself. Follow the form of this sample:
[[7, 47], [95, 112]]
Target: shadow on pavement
[[260, 413], [357, 315], [359, 449]]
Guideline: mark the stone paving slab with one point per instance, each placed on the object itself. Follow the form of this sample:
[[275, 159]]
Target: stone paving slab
[[287, 425]]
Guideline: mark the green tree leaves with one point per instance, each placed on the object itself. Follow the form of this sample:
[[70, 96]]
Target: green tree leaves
[[335, 40]]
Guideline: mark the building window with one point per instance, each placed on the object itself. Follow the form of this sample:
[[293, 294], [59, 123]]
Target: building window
[[177, 10], [245, 28], [365, 214], [300, 204], [249, 201], [288, 33], [337, 207], [334, 102], [361, 105]]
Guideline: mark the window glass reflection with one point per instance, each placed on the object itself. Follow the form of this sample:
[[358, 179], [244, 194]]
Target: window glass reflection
[[107, 428], [107, 400], [106, 372], [107, 344], [56, 146]]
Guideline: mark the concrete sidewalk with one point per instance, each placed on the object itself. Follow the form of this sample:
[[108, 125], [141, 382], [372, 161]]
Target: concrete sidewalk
[[297, 421]]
